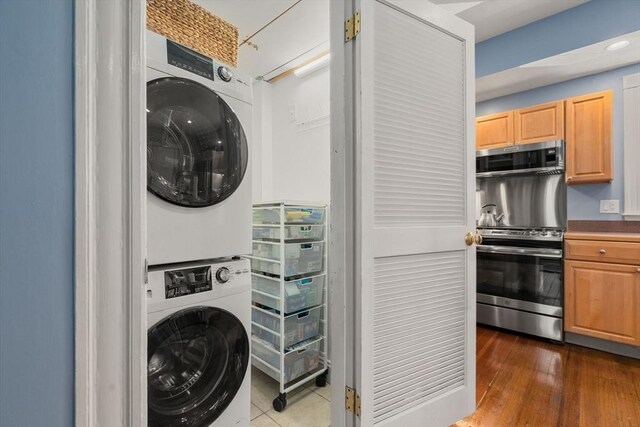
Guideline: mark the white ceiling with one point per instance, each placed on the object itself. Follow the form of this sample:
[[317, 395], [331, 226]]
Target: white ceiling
[[494, 17], [302, 32], [581, 62]]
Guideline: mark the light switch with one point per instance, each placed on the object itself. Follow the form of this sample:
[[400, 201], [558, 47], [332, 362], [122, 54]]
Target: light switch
[[609, 206]]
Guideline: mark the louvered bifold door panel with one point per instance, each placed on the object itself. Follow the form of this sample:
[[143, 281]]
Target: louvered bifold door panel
[[416, 200], [418, 329], [418, 124]]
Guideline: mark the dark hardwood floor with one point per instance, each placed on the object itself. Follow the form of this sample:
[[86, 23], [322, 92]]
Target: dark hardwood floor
[[523, 381]]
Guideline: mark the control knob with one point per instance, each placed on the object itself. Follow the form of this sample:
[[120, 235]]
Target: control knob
[[543, 233], [223, 275], [225, 74]]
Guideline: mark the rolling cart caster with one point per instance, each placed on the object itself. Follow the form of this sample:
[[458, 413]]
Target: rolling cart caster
[[321, 380], [280, 402]]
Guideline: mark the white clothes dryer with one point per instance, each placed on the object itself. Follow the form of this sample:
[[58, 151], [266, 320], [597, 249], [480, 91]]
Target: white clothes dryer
[[198, 371], [198, 171]]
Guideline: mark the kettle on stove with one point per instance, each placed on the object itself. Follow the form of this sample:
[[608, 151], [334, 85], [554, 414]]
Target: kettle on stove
[[489, 218]]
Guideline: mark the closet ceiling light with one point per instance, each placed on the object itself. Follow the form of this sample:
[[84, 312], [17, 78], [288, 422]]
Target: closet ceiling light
[[312, 66]]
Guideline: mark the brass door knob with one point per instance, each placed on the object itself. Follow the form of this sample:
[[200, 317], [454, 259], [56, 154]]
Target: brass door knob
[[469, 238], [603, 251], [478, 238]]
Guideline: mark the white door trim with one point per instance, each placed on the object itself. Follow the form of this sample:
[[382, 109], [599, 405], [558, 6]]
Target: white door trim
[[341, 237], [110, 242]]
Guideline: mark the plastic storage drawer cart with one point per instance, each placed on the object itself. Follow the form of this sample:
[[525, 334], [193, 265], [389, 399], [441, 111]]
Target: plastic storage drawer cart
[[289, 281]]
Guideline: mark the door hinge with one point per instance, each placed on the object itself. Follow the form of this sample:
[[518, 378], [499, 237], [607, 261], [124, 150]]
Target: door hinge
[[352, 401], [352, 27], [146, 271]]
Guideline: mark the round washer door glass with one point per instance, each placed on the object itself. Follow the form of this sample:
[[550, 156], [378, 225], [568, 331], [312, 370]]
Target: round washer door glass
[[196, 147], [196, 361]]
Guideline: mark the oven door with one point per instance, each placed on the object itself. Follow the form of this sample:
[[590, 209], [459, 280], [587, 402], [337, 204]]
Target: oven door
[[522, 278]]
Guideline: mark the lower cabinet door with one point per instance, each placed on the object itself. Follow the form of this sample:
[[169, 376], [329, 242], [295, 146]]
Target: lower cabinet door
[[603, 300]]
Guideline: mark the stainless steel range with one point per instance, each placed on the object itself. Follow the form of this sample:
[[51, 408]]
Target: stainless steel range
[[522, 217]]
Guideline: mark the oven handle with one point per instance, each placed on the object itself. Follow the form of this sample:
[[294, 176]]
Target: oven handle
[[511, 250]]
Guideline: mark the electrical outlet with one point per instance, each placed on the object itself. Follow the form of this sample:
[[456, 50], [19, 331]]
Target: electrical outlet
[[609, 206], [293, 113]]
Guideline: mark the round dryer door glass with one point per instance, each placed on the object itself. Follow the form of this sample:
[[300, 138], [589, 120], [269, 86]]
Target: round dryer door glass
[[196, 147], [197, 359]]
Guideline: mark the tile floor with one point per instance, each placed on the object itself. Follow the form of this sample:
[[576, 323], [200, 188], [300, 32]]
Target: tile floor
[[306, 407]]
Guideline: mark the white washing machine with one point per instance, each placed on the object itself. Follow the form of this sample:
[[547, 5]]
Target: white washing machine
[[198, 172], [198, 344]]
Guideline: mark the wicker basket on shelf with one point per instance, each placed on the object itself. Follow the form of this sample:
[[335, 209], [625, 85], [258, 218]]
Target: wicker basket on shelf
[[194, 27]]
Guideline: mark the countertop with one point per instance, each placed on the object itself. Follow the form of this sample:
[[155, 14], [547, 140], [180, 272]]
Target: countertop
[[608, 236]]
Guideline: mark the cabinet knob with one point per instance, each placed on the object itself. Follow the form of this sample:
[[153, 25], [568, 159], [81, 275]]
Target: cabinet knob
[[638, 270], [569, 178], [603, 251]]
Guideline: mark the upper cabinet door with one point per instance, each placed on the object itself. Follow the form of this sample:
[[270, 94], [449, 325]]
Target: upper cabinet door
[[544, 122], [495, 130], [588, 138]]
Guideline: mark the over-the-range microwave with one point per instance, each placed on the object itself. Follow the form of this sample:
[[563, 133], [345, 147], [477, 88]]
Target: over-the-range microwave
[[540, 158]]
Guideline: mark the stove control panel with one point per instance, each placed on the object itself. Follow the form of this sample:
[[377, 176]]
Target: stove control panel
[[552, 235]]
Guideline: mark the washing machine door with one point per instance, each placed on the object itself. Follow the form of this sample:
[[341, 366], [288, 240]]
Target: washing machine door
[[197, 359], [197, 151]]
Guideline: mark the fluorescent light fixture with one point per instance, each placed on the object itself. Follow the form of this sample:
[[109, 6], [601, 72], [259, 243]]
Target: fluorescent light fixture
[[618, 45], [312, 66]]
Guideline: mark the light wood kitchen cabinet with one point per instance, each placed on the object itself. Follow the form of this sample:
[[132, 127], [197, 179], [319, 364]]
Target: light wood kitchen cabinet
[[588, 138], [602, 298], [544, 122], [495, 130]]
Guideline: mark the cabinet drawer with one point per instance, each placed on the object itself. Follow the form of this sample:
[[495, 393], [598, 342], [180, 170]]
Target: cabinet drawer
[[593, 250]]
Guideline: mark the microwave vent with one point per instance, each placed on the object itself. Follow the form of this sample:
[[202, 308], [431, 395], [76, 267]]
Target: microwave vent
[[551, 172]]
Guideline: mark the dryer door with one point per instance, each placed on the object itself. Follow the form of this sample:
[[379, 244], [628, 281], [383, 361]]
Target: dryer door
[[196, 147], [197, 359]]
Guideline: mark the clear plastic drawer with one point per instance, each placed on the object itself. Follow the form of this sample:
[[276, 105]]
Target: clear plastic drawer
[[297, 327], [297, 362], [300, 294], [292, 215], [291, 232], [299, 259]]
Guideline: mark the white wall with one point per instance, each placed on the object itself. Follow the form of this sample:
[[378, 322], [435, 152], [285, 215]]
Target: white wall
[[261, 149], [295, 150]]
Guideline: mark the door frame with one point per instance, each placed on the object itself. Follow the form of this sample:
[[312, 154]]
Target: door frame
[[341, 262], [110, 214]]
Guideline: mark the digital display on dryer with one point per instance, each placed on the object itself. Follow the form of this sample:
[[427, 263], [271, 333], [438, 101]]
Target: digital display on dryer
[[187, 281], [187, 59]]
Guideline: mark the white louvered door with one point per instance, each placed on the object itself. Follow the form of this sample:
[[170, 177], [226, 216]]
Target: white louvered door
[[415, 196]]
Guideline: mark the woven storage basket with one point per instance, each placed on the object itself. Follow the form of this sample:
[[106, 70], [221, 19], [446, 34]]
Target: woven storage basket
[[192, 26]]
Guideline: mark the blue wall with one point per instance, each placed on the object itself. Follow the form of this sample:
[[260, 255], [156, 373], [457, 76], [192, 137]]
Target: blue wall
[[580, 26], [583, 201], [36, 213]]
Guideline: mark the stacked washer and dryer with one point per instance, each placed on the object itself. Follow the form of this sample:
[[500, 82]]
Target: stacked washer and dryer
[[198, 226]]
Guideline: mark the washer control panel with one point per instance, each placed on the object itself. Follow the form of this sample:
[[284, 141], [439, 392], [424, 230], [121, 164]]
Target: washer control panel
[[197, 279], [187, 281]]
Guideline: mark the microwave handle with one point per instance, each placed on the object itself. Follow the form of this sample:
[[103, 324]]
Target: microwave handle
[[511, 250]]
